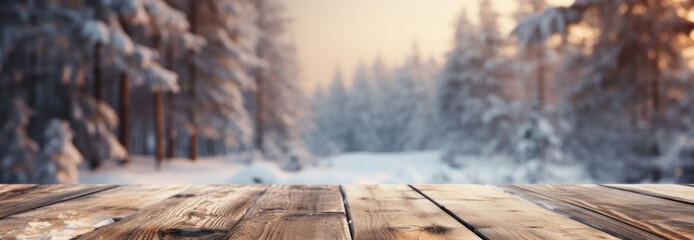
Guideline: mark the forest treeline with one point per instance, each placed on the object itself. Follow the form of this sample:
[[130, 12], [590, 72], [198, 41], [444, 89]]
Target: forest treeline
[[93, 81], [607, 84]]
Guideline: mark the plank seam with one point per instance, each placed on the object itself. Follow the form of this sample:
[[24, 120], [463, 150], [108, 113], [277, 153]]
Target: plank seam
[[64, 200], [648, 194], [460, 220], [598, 213], [350, 224], [248, 210], [545, 206]]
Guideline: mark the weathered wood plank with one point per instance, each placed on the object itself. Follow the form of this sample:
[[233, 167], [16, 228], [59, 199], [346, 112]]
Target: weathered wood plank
[[669, 191], [498, 215], [80, 215], [12, 187], [203, 211], [23, 199], [398, 212], [591, 218], [295, 212], [668, 219]]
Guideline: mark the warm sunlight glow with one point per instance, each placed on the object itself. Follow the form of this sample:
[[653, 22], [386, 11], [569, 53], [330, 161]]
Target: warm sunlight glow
[[690, 17], [332, 33]]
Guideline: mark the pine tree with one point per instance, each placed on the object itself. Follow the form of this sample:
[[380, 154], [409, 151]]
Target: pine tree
[[68, 52], [529, 7], [59, 158], [413, 118], [280, 119], [538, 143], [17, 151], [318, 139], [218, 74], [361, 109], [384, 85], [335, 106], [473, 101], [422, 129], [135, 62], [168, 31], [618, 105]]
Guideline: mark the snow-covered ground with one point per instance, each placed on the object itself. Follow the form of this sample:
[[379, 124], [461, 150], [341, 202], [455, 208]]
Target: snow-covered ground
[[352, 168]]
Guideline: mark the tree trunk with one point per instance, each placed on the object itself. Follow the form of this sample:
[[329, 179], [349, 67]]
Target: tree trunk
[[259, 116], [192, 18], [655, 88], [171, 132], [540, 78], [194, 131], [95, 162], [97, 72], [159, 110], [124, 118], [172, 143], [159, 122], [212, 145], [193, 145]]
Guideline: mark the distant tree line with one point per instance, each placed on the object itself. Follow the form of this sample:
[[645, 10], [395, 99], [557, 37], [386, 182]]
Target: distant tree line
[[602, 83], [93, 81]]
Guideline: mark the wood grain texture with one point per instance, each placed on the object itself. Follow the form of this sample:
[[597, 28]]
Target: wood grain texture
[[498, 215], [295, 212], [12, 187], [68, 219], [23, 199], [668, 219], [593, 219], [202, 212], [318, 211], [669, 191], [398, 212]]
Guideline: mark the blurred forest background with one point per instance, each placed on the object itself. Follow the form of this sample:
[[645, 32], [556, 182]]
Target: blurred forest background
[[604, 88]]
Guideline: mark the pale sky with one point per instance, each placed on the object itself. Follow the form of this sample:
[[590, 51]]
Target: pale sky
[[332, 33]]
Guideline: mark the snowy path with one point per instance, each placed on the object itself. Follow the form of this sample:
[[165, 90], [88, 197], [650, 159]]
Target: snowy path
[[353, 168]]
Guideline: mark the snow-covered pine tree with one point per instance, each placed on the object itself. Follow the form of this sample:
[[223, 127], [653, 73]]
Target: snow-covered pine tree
[[318, 140], [489, 33], [538, 143], [132, 61], [17, 151], [167, 31], [529, 7], [384, 82], [618, 102], [413, 120], [335, 115], [537, 146], [281, 118], [59, 158], [472, 97], [218, 74], [361, 109], [384, 110], [69, 51], [532, 58], [423, 129]]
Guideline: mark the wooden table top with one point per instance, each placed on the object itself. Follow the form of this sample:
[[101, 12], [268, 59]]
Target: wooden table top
[[347, 211]]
